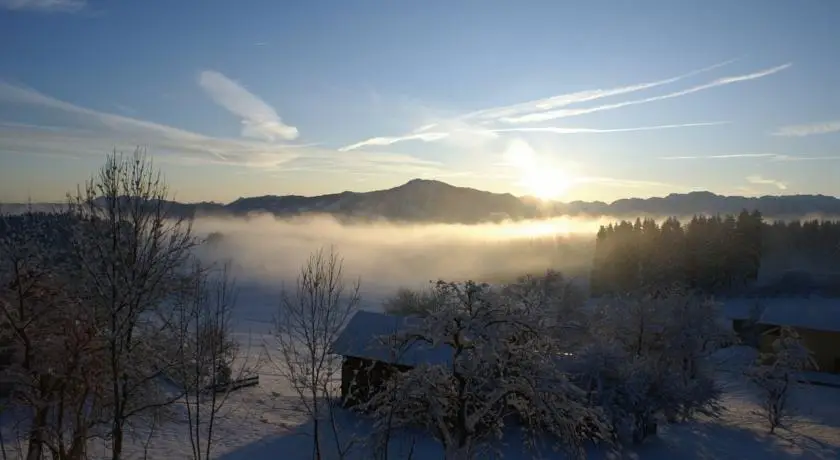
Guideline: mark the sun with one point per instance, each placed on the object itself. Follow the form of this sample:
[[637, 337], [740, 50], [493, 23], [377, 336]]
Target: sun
[[538, 176], [549, 184]]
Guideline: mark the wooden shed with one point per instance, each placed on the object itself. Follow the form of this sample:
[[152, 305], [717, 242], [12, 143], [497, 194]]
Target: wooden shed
[[816, 319], [373, 349]]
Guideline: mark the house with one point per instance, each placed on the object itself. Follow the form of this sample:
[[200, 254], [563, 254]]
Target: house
[[816, 319], [372, 351]]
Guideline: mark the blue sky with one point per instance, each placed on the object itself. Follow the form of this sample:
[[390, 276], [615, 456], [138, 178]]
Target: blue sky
[[590, 100]]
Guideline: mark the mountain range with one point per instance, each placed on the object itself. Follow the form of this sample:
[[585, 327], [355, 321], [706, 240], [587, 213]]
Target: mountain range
[[431, 201]]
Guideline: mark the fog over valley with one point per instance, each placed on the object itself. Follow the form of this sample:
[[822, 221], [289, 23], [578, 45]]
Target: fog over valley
[[267, 251]]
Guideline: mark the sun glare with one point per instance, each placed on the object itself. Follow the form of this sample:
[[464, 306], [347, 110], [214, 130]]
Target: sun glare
[[538, 177], [546, 184]]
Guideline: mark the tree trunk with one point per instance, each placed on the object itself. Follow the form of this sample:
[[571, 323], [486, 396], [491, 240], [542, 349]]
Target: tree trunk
[[36, 435], [457, 453], [116, 448], [316, 428]]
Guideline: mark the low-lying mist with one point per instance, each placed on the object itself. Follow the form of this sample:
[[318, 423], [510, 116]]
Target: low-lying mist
[[269, 250]]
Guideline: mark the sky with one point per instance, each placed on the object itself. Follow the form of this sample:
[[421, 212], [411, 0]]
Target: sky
[[567, 100]]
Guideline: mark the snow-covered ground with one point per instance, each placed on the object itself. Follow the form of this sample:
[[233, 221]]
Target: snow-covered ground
[[265, 422]]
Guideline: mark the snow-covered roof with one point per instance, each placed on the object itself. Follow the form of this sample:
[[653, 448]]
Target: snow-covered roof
[[366, 336], [738, 308], [818, 313]]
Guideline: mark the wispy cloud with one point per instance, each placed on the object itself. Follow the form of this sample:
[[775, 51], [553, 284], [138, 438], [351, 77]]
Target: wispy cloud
[[563, 113], [581, 96], [559, 130], [722, 157], [801, 158], [769, 156], [825, 127], [541, 110], [626, 183], [46, 6], [259, 120], [759, 180], [422, 136], [94, 132]]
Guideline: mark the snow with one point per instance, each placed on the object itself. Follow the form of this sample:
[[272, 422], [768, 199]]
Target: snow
[[265, 423], [739, 434], [363, 338]]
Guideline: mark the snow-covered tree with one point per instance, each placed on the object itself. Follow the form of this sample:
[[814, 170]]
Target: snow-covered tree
[[309, 320], [775, 373], [558, 296], [51, 346], [407, 301], [647, 357], [502, 363], [132, 255]]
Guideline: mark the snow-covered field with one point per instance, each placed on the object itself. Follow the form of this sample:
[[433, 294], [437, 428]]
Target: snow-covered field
[[265, 422]]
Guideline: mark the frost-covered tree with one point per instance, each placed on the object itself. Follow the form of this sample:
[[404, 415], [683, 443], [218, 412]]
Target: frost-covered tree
[[309, 320], [208, 353], [132, 255], [52, 349], [503, 364], [555, 294], [407, 301], [647, 356], [775, 373]]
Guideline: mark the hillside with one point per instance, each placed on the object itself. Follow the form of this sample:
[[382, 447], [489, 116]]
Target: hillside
[[422, 200]]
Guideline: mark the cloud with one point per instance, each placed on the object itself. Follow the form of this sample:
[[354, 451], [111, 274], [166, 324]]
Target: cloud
[[563, 113], [758, 180], [809, 129], [722, 157], [94, 132], [580, 96], [627, 183], [422, 136], [798, 158], [45, 6], [770, 156], [558, 130], [474, 125], [259, 120]]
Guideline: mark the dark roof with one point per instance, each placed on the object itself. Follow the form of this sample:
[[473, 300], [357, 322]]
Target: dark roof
[[367, 336]]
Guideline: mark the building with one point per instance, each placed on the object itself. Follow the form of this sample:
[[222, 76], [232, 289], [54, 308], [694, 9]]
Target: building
[[373, 349], [816, 319]]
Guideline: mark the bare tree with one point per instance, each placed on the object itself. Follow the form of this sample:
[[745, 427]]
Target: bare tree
[[209, 352], [52, 345], [309, 320], [775, 374], [132, 254], [407, 301]]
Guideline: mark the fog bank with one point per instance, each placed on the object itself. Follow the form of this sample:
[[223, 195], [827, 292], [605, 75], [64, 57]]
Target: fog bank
[[270, 250]]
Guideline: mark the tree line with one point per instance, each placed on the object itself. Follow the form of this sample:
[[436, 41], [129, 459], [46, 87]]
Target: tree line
[[711, 255]]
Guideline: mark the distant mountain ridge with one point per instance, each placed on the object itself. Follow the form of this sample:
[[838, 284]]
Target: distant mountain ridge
[[432, 201]]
